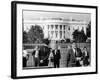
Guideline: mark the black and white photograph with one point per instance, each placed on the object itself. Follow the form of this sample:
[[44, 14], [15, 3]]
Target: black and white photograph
[[53, 39], [56, 39]]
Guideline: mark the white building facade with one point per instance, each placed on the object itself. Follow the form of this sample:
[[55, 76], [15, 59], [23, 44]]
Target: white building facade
[[56, 29]]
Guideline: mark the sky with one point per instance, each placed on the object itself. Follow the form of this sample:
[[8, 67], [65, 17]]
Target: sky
[[30, 15]]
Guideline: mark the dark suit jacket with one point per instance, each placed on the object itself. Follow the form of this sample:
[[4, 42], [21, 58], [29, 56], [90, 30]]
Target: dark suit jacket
[[79, 52], [44, 54], [57, 56], [71, 59], [85, 58], [33, 53], [83, 55]]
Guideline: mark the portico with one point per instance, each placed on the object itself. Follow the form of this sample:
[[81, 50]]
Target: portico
[[57, 29]]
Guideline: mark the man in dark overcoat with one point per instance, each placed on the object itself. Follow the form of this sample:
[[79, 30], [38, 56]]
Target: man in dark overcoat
[[57, 57]]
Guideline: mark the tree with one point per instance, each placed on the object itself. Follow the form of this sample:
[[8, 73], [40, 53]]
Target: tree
[[67, 40], [46, 41], [76, 35], [25, 37], [88, 30], [83, 36], [35, 34], [79, 36]]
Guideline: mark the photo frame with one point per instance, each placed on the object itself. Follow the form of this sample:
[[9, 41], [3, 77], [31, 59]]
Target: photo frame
[[37, 24]]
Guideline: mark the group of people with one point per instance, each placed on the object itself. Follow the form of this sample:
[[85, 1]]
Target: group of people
[[77, 57], [43, 56], [48, 57]]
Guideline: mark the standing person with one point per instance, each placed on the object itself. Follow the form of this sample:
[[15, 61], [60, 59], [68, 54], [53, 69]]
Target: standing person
[[57, 57], [73, 56], [44, 54], [51, 59], [85, 57], [71, 59], [36, 56], [25, 58], [78, 55]]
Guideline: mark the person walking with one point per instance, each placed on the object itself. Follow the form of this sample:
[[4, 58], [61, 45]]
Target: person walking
[[36, 56], [85, 57], [51, 59], [74, 56], [57, 57], [25, 57]]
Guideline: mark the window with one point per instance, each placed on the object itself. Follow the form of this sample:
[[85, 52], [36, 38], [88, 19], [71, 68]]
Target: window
[[48, 26], [56, 32], [64, 27], [69, 28], [64, 34], [60, 34], [56, 26], [52, 33], [60, 26], [51, 26]]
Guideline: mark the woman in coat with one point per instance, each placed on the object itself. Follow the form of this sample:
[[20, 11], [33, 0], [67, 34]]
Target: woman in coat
[[51, 59], [85, 57]]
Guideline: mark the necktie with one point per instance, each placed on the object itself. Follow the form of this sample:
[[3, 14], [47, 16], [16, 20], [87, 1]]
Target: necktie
[[75, 53], [55, 52]]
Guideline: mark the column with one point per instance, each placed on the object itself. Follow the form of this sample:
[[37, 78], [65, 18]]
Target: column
[[54, 32], [50, 31], [62, 31], [58, 32]]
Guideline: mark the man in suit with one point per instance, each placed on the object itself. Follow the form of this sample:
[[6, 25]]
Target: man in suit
[[57, 56], [74, 56], [36, 56], [85, 57], [78, 55], [43, 56], [25, 57]]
